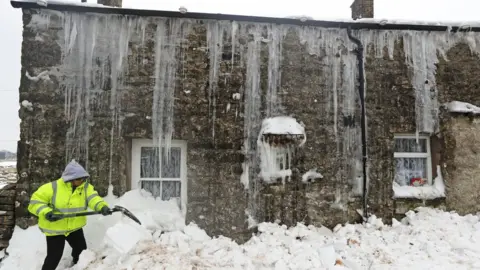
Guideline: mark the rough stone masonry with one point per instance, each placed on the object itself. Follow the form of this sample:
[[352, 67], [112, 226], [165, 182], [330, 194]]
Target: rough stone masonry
[[8, 177], [97, 81]]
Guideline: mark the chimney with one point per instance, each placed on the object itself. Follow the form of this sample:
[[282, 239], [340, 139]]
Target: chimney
[[362, 9], [112, 3]]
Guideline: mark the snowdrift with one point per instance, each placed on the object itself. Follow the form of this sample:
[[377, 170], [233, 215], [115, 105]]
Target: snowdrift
[[428, 239]]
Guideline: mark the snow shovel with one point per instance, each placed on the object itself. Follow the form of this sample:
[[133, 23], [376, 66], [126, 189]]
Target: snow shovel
[[116, 208]]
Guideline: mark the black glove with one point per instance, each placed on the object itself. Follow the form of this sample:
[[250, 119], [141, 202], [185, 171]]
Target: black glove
[[52, 217], [106, 211]]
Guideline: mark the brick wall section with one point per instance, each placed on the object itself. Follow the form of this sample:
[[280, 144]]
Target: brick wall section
[[362, 9], [7, 214]]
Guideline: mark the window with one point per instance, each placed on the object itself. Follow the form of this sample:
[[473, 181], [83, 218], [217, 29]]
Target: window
[[275, 164], [153, 171], [412, 160], [282, 162]]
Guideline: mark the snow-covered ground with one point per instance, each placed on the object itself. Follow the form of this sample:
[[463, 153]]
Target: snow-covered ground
[[7, 172], [9, 164], [428, 239]]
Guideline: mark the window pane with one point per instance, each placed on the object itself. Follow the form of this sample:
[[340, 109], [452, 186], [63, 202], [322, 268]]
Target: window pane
[[281, 162], [171, 166], [410, 145], [171, 189], [149, 163], [153, 187], [408, 168]]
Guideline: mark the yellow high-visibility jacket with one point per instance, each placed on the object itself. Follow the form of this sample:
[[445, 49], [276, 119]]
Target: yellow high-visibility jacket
[[59, 196]]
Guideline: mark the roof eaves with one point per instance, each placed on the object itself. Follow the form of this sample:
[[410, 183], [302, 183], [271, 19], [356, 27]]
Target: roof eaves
[[372, 25]]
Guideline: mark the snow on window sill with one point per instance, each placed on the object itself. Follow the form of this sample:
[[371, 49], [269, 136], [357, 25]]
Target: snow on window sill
[[437, 190]]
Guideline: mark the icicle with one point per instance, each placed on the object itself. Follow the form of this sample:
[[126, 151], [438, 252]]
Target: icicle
[[252, 119], [335, 75], [85, 79], [270, 157], [421, 49], [328, 41], [215, 32], [169, 35], [234, 43], [143, 27], [421, 57], [118, 52], [159, 88], [276, 35]]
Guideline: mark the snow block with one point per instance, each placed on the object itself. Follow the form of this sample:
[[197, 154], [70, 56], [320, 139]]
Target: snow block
[[124, 236]]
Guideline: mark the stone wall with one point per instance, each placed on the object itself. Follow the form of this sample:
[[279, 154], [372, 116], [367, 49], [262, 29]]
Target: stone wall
[[89, 103], [8, 177], [7, 214], [462, 141]]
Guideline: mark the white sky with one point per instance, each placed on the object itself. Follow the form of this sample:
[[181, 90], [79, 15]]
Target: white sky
[[11, 30]]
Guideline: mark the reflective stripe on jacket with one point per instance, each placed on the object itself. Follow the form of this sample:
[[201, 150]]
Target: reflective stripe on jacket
[[59, 197]]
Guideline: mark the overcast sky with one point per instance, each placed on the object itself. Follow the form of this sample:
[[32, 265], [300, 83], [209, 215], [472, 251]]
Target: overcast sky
[[11, 31]]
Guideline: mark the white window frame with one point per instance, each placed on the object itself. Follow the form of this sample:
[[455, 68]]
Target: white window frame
[[427, 155], [137, 145]]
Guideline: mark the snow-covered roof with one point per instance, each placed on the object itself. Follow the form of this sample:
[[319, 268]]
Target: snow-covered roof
[[45, 3], [366, 23]]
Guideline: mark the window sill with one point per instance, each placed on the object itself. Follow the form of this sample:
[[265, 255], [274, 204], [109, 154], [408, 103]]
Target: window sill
[[435, 191], [423, 193]]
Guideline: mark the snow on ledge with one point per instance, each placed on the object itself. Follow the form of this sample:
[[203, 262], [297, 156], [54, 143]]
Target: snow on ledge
[[437, 190], [311, 176], [41, 76], [282, 125], [462, 107]]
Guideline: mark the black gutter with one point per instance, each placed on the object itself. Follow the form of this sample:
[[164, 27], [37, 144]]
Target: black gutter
[[241, 18], [363, 118]]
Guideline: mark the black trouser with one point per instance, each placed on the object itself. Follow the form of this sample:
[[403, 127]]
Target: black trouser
[[55, 245]]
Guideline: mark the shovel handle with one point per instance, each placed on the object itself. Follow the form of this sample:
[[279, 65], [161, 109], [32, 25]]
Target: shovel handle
[[62, 216], [116, 208]]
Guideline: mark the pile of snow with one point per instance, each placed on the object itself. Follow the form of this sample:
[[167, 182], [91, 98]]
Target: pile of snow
[[156, 216], [429, 239], [437, 190], [462, 107]]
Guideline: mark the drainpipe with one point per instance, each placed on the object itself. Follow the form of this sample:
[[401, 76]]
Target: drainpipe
[[363, 122]]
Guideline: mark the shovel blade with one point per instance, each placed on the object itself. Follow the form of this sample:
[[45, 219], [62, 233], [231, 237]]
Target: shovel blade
[[127, 213]]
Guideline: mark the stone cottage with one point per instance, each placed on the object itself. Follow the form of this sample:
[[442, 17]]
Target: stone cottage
[[376, 108]]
